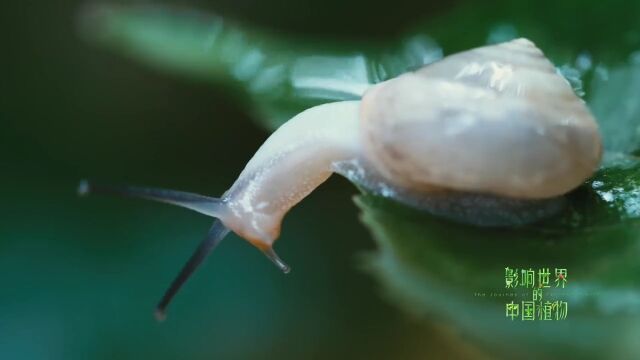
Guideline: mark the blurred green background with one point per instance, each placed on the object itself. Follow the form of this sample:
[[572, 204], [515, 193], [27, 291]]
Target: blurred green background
[[80, 277]]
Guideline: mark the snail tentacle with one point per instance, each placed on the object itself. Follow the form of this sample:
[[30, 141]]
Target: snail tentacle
[[216, 233], [206, 205]]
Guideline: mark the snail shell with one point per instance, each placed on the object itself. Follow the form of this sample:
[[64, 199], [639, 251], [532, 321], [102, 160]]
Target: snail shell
[[496, 120], [489, 136]]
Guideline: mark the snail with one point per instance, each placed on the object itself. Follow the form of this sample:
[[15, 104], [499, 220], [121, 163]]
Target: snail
[[491, 136]]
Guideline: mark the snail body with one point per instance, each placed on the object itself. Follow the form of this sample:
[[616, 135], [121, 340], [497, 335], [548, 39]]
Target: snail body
[[489, 136]]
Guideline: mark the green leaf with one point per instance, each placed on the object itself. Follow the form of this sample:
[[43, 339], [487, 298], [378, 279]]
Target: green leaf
[[278, 77], [435, 269]]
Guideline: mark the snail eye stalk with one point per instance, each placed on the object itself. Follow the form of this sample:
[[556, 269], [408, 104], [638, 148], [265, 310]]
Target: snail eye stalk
[[217, 232], [203, 204]]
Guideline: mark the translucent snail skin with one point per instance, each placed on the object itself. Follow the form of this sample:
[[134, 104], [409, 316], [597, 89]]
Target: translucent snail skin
[[492, 136]]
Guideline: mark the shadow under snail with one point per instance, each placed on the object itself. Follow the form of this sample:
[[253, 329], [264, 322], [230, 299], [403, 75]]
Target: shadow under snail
[[492, 136]]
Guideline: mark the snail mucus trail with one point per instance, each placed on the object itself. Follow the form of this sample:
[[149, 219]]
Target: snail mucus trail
[[492, 136]]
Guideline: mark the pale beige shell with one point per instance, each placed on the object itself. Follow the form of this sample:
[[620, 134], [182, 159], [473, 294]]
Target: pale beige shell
[[496, 119]]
